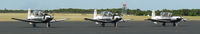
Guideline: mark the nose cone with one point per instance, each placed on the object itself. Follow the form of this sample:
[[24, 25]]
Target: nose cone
[[49, 17]]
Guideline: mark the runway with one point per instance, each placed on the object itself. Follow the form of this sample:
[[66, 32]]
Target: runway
[[134, 27]]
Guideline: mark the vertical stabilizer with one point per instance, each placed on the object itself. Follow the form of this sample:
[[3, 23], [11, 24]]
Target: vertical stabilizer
[[29, 13], [153, 13], [95, 13]]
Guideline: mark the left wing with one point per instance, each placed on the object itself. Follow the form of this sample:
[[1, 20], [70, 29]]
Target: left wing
[[154, 20], [25, 20]]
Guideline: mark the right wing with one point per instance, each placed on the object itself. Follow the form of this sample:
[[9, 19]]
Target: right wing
[[104, 20], [125, 20], [59, 20], [25, 20]]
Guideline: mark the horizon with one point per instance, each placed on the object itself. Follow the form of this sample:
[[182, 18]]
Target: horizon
[[86, 9]]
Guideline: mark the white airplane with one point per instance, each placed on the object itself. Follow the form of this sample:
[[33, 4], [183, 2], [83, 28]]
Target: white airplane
[[106, 17], [166, 17], [39, 17]]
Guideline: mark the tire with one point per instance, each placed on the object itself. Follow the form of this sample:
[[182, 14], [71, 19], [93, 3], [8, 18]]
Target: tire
[[164, 24], [103, 24], [34, 25]]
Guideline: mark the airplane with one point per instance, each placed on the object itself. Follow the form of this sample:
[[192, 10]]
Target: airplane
[[39, 17], [165, 17], [106, 17]]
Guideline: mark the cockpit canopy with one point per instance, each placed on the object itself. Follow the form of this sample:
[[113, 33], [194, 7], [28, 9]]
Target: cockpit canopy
[[38, 13], [166, 14], [106, 13]]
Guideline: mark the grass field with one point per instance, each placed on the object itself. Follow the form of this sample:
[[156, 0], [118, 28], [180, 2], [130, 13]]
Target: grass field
[[77, 17]]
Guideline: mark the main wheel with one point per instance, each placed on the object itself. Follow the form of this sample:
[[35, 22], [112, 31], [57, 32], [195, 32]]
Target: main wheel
[[164, 24], [34, 24], [103, 24], [48, 25]]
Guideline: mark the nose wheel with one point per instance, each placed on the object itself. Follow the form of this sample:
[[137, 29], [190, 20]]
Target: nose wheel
[[163, 24], [48, 25], [175, 24]]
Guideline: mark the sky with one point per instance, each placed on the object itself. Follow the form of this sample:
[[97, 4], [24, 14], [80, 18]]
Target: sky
[[99, 4]]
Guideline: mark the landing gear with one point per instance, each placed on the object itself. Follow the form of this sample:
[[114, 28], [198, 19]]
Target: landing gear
[[48, 25], [174, 24], [163, 24], [34, 24], [115, 25], [103, 24]]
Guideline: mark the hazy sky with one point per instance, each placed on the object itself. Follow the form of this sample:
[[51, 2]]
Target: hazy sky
[[98, 4]]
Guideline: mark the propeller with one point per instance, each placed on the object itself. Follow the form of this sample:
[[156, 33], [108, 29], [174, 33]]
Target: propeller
[[53, 15]]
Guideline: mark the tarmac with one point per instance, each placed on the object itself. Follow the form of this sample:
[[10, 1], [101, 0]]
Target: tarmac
[[77, 27]]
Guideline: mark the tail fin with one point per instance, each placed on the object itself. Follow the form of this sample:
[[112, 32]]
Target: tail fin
[[29, 13], [153, 14], [95, 13]]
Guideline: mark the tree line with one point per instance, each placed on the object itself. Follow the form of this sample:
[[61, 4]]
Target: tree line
[[137, 12]]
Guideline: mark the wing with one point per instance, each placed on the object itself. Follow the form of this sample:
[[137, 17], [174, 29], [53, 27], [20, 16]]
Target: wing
[[94, 20], [185, 20], [125, 20], [24, 20], [158, 20], [59, 20]]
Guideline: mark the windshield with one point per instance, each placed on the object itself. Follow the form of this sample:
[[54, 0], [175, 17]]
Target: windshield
[[38, 13]]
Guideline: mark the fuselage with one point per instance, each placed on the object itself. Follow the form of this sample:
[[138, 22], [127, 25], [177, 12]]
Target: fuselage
[[166, 17], [41, 19], [171, 19], [107, 17]]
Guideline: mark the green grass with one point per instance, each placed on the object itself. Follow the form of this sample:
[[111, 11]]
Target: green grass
[[77, 17]]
